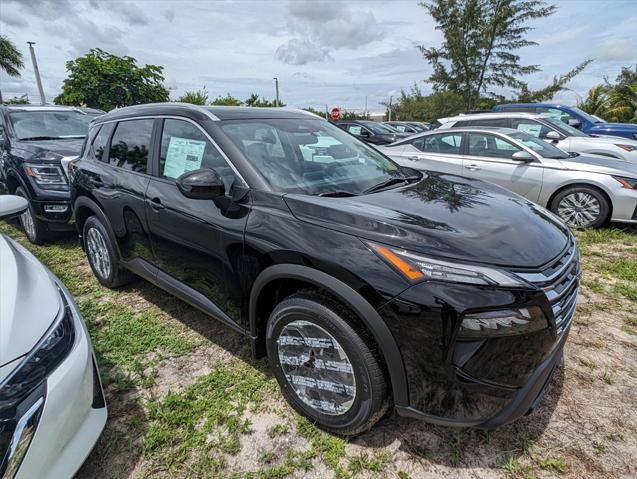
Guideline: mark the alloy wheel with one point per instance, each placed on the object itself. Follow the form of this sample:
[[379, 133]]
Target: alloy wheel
[[28, 224], [316, 367], [98, 252], [579, 209]]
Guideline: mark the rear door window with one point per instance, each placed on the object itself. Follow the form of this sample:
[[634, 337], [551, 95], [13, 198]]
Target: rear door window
[[446, 144], [490, 146], [130, 145], [99, 146]]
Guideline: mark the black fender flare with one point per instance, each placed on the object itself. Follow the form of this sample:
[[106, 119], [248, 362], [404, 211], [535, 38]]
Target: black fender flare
[[83, 201], [368, 315]]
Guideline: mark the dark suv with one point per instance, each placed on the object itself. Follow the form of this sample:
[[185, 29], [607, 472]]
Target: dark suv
[[36, 144], [371, 132], [365, 283]]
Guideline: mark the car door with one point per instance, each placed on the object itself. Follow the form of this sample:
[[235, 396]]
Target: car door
[[117, 176], [441, 152], [197, 242], [489, 157]]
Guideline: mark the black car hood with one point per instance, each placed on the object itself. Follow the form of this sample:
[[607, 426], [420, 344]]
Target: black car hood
[[444, 216], [64, 147]]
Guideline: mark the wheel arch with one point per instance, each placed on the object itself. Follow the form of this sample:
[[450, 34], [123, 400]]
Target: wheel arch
[[594, 186], [84, 208], [388, 348]]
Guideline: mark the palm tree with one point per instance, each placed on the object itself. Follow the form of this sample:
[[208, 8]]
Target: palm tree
[[10, 59], [596, 102]]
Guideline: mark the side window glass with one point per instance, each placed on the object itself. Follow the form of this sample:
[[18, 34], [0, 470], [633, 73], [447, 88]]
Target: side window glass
[[490, 146], [354, 129], [100, 142], [533, 128], [401, 128], [463, 123], [130, 145], [447, 144], [493, 122], [555, 114], [184, 147]]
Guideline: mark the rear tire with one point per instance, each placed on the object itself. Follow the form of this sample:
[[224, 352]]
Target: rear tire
[[102, 256], [36, 231], [325, 369], [581, 207]]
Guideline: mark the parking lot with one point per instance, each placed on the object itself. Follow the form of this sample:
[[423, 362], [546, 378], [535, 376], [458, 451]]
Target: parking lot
[[186, 400]]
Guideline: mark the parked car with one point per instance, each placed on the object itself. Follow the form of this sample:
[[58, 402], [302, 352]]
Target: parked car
[[371, 132], [574, 117], [36, 144], [583, 191], [407, 126], [365, 283], [52, 408], [562, 135]]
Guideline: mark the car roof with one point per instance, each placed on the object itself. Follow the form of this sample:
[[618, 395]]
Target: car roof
[[495, 114], [464, 129], [51, 108], [198, 112], [544, 105]]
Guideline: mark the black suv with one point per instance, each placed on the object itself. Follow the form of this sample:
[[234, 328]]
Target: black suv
[[365, 283], [371, 132], [36, 144]]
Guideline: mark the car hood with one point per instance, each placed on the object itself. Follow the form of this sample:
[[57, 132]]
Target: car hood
[[68, 147], [30, 301], [445, 216], [601, 164], [606, 140], [613, 127]]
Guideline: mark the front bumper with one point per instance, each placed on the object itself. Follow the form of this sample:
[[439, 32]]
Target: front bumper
[[74, 412], [624, 206]]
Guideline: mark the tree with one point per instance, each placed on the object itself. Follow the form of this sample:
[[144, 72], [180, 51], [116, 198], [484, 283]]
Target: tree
[[480, 41], [10, 59], [255, 100], [199, 97], [614, 101], [102, 80], [227, 100], [544, 94], [315, 111], [596, 103], [18, 100]]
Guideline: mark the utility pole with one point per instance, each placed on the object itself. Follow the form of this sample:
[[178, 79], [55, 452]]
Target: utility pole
[[366, 108], [37, 72], [276, 87], [390, 99]]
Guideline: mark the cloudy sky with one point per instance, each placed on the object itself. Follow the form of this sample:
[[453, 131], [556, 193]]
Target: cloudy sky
[[323, 52]]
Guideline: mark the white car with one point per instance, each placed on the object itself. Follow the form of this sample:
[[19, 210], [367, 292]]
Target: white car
[[563, 136], [52, 407]]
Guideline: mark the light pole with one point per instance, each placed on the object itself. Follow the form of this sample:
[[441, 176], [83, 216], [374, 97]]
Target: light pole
[[390, 99], [276, 88], [37, 72]]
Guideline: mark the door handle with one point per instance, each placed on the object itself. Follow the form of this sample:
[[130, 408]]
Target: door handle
[[155, 204], [473, 168], [413, 158]]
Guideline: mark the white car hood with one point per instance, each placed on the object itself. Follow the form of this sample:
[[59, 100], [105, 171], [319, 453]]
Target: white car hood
[[605, 140], [600, 164], [29, 301]]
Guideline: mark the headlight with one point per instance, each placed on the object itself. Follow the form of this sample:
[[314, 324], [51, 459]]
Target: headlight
[[507, 322], [630, 183], [47, 176], [626, 147], [22, 392], [420, 268]]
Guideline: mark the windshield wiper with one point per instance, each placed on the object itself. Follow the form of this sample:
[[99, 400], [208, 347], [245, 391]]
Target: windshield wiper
[[390, 182], [338, 194]]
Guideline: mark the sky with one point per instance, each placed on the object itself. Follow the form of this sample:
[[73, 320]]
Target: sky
[[334, 53]]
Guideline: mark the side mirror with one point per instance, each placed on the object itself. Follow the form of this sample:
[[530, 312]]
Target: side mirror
[[12, 206], [202, 184], [365, 133], [575, 123], [553, 135], [523, 156]]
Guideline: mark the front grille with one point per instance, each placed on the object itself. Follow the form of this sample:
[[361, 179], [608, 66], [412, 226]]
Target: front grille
[[560, 283]]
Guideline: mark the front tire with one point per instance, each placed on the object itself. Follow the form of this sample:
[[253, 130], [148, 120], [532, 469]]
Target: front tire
[[36, 231], [581, 207], [325, 368], [102, 256]]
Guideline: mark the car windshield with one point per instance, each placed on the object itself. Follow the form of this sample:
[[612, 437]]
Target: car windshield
[[565, 128], [542, 148], [311, 156], [588, 117], [380, 129], [50, 124]]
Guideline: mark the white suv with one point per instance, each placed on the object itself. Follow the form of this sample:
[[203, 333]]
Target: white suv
[[549, 129], [52, 408]]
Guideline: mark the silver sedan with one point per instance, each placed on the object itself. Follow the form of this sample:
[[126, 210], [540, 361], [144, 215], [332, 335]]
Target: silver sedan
[[584, 191]]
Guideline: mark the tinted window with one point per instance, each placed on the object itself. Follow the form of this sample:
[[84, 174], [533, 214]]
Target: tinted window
[[462, 124], [309, 156], [447, 144], [184, 147], [490, 146], [492, 122], [130, 145], [100, 142]]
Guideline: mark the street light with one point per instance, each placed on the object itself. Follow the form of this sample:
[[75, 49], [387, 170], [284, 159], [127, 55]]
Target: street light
[[276, 87]]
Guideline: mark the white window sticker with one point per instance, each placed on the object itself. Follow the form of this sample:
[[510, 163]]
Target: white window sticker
[[183, 155], [530, 128]]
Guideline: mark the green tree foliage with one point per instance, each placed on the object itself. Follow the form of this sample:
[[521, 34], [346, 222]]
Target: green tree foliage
[[17, 100], [227, 100], [544, 94], [199, 97], [481, 38], [10, 58], [614, 101], [256, 100], [102, 80], [315, 111]]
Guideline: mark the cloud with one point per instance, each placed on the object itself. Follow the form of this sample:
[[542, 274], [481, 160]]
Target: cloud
[[321, 27], [13, 20], [615, 49], [169, 15], [129, 12]]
